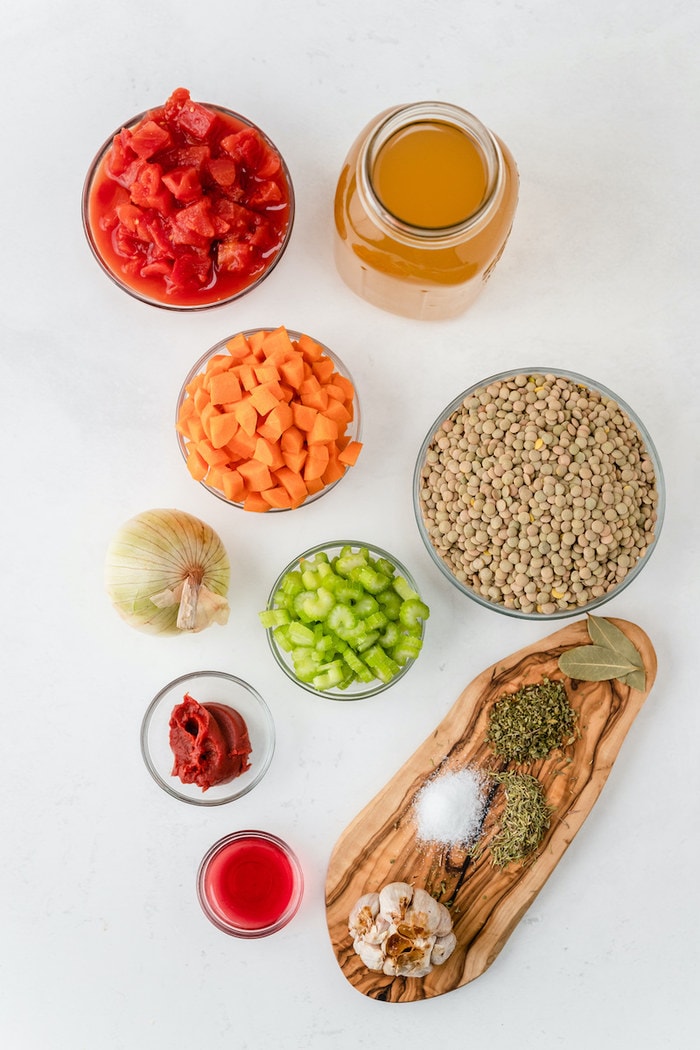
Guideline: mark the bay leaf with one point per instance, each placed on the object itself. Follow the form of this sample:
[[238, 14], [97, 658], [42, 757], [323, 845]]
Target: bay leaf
[[594, 663], [603, 632], [636, 679]]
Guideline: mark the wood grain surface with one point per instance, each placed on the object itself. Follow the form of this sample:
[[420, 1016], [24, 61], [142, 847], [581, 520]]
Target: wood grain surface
[[486, 903]]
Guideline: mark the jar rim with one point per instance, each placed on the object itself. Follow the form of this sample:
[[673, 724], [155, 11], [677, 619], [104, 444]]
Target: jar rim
[[437, 112]]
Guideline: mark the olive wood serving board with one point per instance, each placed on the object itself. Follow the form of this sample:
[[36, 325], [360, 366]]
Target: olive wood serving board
[[380, 845]]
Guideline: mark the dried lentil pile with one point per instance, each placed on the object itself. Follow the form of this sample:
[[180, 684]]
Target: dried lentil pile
[[539, 493]]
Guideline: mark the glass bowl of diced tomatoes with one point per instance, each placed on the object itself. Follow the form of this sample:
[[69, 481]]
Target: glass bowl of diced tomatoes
[[268, 420], [188, 205]]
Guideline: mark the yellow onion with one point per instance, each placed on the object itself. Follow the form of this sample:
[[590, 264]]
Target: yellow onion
[[167, 571]]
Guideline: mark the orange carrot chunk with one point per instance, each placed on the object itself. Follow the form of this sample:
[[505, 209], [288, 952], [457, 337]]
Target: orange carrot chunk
[[350, 453]]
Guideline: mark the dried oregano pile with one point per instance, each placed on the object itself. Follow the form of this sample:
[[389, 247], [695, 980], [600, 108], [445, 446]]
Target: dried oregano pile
[[532, 722], [539, 493]]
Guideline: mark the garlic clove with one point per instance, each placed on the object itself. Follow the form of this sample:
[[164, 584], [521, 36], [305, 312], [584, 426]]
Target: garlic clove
[[443, 948]]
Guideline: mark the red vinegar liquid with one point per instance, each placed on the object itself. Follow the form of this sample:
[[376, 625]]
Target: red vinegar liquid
[[250, 883]]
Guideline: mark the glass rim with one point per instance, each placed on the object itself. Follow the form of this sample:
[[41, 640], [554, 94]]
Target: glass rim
[[594, 385], [294, 901], [142, 296], [199, 366], [343, 695]]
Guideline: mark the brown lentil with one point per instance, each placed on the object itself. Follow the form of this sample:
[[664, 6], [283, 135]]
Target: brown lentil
[[539, 493]]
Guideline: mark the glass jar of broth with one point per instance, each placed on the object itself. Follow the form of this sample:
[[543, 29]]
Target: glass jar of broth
[[423, 209]]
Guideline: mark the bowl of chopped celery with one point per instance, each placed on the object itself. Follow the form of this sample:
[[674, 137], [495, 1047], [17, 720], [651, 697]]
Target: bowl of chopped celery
[[345, 620]]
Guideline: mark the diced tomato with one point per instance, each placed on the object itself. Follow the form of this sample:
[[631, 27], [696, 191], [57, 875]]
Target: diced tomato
[[190, 269], [175, 103], [193, 156], [158, 234], [133, 219], [196, 120], [149, 138], [246, 147], [264, 195], [183, 183], [196, 217], [223, 170], [160, 268], [236, 256]]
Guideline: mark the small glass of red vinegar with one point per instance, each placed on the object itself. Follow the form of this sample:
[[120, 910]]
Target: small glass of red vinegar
[[250, 884]]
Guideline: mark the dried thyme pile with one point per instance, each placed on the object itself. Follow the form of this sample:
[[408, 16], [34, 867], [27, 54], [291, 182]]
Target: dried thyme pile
[[525, 819], [528, 724]]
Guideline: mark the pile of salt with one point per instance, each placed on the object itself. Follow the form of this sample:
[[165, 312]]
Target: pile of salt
[[450, 808]]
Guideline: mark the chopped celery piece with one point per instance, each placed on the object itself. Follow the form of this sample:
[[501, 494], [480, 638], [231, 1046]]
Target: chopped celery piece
[[273, 617], [404, 589], [300, 634], [390, 604], [371, 580], [406, 648], [413, 610]]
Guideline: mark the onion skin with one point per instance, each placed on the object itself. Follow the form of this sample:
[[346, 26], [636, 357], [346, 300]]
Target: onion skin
[[157, 555]]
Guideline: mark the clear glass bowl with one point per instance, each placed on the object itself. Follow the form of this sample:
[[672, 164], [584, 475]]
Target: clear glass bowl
[[353, 430], [356, 690], [210, 297], [233, 875], [489, 603], [207, 687]]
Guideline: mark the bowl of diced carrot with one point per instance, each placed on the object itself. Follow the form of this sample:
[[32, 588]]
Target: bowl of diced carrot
[[268, 420]]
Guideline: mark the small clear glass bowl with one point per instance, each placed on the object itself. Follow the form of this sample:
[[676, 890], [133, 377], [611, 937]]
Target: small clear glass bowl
[[207, 687], [353, 430], [356, 690], [256, 861], [471, 592], [140, 289]]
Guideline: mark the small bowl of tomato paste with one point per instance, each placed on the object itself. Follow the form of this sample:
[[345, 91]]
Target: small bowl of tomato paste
[[207, 738], [188, 206], [250, 884]]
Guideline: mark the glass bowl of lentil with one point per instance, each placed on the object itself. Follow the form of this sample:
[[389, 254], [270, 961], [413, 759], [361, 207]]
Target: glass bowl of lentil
[[382, 639], [539, 493]]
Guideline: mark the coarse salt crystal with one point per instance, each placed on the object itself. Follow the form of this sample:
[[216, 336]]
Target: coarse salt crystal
[[450, 808]]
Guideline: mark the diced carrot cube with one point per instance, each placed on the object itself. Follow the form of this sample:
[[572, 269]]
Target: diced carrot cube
[[339, 412], [314, 486], [241, 445], [277, 344], [304, 416], [224, 387], [277, 497], [215, 457], [222, 428], [268, 452], [238, 347], [350, 453], [295, 460], [316, 462], [246, 415], [292, 440], [256, 341], [294, 484], [267, 373], [323, 430], [217, 364], [334, 471], [233, 486], [311, 350], [255, 474], [246, 375], [264, 398], [206, 416], [255, 503], [292, 370], [196, 464], [277, 421], [201, 398], [345, 385], [323, 369]]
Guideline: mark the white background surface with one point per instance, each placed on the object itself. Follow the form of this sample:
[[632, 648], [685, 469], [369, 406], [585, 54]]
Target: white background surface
[[102, 943]]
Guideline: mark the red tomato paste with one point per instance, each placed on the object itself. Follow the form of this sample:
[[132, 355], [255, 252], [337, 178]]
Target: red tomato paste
[[190, 205], [210, 743], [250, 883]]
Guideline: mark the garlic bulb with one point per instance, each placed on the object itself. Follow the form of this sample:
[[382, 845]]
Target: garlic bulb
[[167, 571], [401, 931]]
